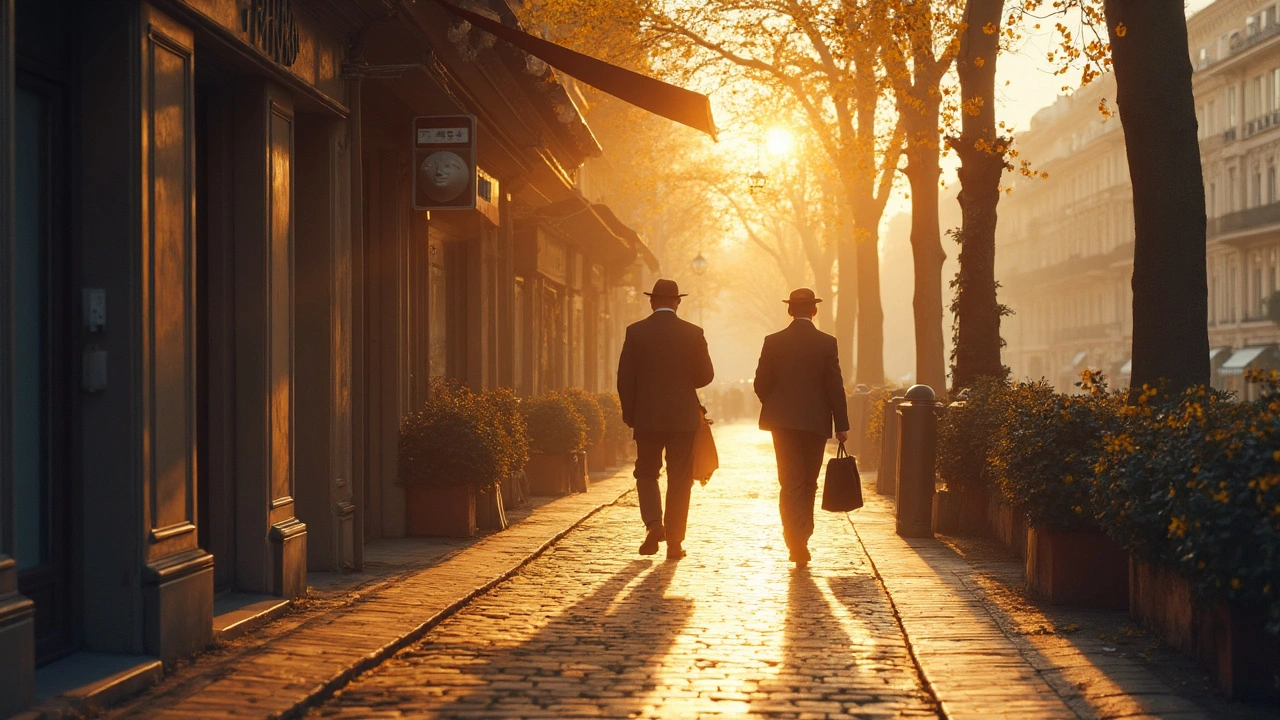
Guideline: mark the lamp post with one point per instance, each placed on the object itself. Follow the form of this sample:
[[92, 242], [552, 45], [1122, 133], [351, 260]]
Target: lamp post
[[699, 265]]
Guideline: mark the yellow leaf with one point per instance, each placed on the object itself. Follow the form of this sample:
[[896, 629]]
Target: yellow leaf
[[979, 62], [1121, 30]]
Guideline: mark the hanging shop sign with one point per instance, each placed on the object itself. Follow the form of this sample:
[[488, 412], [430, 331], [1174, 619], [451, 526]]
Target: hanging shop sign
[[444, 162]]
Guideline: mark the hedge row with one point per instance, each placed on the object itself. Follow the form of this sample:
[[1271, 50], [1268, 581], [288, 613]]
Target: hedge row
[[1189, 480], [464, 437]]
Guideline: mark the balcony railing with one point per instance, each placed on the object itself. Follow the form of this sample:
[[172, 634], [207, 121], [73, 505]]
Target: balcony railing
[[1229, 135], [1263, 122], [1240, 43], [1255, 217]]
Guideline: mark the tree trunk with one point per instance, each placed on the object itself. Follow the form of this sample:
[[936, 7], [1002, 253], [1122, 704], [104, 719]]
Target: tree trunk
[[870, 350], [1157, 111], [926, 244], [976, 343], [847, 312]]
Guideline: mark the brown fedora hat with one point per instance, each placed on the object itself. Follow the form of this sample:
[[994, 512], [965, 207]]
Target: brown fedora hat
[[803, 295], [664, 288]]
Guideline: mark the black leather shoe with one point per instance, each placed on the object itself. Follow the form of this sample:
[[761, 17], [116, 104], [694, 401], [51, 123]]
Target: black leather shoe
[[675, 552], [651, 540]]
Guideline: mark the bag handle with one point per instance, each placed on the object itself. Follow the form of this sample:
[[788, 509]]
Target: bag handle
[[842, 453]]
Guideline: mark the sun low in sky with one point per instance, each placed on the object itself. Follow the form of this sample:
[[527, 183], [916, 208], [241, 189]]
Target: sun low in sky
[[779, 141]]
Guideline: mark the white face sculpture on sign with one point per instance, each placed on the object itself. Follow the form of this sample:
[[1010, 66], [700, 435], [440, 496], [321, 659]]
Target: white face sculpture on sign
[[443, 175]]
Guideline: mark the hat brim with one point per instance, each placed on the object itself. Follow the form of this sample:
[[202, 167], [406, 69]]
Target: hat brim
[[667, 296], [815, 301]]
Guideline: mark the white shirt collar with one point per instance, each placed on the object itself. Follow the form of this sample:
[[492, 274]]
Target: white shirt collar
[[670, 310], [808, 320]]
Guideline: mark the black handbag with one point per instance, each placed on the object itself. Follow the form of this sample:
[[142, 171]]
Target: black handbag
[[842, 488]]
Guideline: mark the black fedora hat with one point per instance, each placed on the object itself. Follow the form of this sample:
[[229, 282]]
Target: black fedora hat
[[802, 296], [664, 288]]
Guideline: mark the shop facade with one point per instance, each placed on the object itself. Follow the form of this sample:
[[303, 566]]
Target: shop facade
[[217, 303]]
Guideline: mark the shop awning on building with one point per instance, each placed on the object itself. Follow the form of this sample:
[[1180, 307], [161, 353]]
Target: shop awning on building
[[1218, 356], [1257, 357], [1127, 368], [593, 228], [1077, 363], [674, 103]]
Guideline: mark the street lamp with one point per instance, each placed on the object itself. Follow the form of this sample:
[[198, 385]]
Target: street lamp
[[756, 180], [699, 264]]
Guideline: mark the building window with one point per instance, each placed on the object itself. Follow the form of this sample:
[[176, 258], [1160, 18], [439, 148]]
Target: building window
[[1232, 109], [1256, 194], [1271, 184], [1213, 200], [1275, 89]]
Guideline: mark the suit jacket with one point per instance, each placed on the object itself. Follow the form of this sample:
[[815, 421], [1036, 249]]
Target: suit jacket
[[664, 361], [798, 381]]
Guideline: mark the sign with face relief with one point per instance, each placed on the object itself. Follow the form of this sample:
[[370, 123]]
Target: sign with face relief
[[444, 162]]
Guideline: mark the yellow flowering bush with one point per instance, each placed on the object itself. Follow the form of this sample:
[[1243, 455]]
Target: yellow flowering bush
[[1192, 481], [1043, 454]]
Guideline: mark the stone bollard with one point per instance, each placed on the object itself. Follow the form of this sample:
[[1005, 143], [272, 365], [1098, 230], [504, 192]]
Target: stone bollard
[[917, 453], [859, 402], [886, 478]]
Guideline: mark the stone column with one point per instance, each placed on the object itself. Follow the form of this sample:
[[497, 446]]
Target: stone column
[[271, 542]]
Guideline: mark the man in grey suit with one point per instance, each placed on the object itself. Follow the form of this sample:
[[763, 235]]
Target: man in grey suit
[[663, 363], [802, 395]]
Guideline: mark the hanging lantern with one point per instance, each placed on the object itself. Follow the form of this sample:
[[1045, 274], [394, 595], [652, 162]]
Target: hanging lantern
[[756, 180]]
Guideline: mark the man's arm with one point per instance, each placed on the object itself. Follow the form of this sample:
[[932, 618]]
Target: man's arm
[[703, 373], [627, 379], [834, 384], [763, 383]]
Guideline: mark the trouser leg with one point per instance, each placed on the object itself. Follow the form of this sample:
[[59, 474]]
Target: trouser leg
[[648, 467], [679, 484], [799, 456]]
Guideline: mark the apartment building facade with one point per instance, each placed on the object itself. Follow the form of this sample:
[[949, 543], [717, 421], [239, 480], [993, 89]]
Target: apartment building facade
[[1066, 243]]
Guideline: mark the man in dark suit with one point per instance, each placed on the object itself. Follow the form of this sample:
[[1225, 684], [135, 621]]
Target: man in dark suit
[[664, 361], [802, 396]]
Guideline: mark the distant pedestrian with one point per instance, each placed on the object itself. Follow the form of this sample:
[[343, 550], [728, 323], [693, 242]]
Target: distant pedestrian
[[802, 395], [664, 361]]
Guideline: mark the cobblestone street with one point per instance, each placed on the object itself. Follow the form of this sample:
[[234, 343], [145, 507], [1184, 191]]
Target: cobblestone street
[[593, 629]]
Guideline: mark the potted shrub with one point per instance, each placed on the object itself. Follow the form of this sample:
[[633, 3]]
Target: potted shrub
[[557, 433], [966, 435], [504, 410], [617, 436], [1191, 486], [449, 450], [593, 419], [1043, 461]]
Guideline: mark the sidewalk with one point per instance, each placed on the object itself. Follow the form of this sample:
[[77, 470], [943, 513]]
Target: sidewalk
[[353, 631], [986, 650]]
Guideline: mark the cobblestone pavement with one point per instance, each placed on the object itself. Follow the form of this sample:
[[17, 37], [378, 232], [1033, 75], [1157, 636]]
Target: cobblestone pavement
[[591, 629]]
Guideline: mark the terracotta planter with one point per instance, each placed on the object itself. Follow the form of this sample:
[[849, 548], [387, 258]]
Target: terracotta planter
[[440, 510], [550, 474], [1078, 568], [625, 451], [580, 479], [973, 512], [1008, 526], [946, 512], [1230, 641], [515, 490], [491, 513], [602, 456]]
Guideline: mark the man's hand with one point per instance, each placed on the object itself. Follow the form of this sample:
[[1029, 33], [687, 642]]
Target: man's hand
[[841, 436]]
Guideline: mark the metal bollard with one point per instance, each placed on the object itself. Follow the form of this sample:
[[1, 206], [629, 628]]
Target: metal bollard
[[887, 478], [917, 453]]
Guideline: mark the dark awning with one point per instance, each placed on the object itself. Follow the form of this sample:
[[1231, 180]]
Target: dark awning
[[674, 103], [585, 226]]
